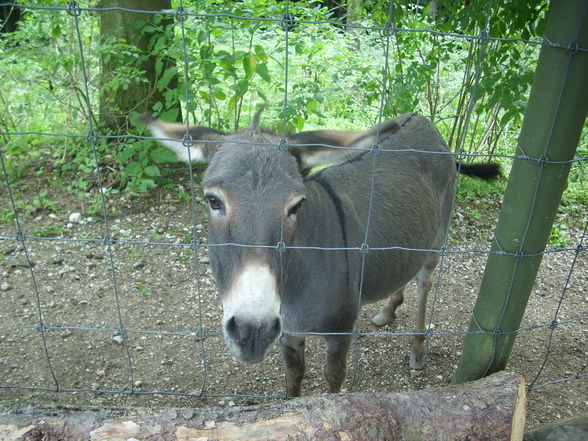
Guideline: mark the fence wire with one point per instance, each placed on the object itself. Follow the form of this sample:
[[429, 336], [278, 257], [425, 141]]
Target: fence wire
[[197, 331]]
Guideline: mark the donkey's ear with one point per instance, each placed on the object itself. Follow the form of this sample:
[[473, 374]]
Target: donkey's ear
[[171, 135], [318, 147]]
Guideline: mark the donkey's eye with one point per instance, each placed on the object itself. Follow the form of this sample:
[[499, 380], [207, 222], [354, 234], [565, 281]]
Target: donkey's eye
[[214, 203], [294, 209]]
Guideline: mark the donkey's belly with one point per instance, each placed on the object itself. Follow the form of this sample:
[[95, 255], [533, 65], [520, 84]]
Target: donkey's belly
[[386, 274]]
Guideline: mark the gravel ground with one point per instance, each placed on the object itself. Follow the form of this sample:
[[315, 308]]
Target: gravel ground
[[162, 297]]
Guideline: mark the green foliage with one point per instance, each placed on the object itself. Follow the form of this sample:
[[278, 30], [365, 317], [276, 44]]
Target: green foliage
[[334, 79]]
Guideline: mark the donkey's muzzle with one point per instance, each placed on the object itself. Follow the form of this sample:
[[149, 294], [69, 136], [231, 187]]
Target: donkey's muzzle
[[250, 341]]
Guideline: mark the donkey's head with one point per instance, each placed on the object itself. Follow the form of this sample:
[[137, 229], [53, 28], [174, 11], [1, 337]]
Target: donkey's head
[[253, 191]]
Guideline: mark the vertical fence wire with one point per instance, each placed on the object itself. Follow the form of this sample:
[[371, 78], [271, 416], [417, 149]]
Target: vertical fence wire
[[482, 43], [181, 17], [75, 11], [375, 151]]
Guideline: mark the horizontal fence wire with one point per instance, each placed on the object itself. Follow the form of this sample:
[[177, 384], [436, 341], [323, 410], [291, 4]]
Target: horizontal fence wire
[[196, 330]]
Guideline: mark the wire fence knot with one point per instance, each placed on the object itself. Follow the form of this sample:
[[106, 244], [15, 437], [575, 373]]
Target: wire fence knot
[[364, 248], [200, 334], [280, 247], [543, 161], [187, 140], [41, 328], [288, 22], [573, 47], [497, 333], [181, 14], [92, 137], [389, 28], [20, 236], [443, 251], [108, 240], [376, 150], [461, 155], [283, 145], [73, 9]]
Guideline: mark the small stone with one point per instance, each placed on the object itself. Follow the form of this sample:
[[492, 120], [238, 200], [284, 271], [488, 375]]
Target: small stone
[[5, 287], [75, 217], [101, 372], [8, 251], [138, 383], [138, 265], [186, 413], [118, 339]]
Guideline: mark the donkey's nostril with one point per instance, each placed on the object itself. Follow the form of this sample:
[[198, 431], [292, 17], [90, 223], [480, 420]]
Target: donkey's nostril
[[233, 330], [274, 330]]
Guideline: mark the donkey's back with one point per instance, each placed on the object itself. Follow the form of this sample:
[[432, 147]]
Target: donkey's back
[[408, 210]]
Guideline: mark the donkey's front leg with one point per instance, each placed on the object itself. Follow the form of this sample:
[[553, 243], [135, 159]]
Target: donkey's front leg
[[292, 349], [336, 367]]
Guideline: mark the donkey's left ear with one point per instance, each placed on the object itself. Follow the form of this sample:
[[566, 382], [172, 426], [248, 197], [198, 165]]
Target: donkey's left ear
[[319, 147], [171, 135]]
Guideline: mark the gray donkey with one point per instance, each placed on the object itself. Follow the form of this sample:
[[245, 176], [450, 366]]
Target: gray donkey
[[293, 255]]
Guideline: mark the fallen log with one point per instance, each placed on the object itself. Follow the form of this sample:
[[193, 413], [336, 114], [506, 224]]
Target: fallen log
[[489, 409], [570, 429]]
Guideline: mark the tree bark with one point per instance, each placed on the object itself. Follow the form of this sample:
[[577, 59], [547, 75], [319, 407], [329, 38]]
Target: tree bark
[[489, 409], [139, 95], [570, 429]]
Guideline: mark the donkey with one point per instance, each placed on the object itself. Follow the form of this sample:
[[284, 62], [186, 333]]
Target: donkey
[[293, 255]]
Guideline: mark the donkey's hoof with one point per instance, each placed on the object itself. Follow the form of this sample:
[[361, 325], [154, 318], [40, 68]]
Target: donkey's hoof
[[417, 361], [382, 319]]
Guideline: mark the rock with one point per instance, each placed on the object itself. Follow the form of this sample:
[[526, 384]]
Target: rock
[[5, 287], [118, 339], [75, 217]]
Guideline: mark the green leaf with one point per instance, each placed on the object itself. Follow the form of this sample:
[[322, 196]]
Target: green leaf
[[152, 171], [219, 95], [163, 155], [262, 71], [126, 154], [249, 64], [132, 168], [146, 184], [241, 87], [167, 76]]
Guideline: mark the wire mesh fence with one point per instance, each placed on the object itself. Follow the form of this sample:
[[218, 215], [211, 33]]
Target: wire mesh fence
[[121, 307]]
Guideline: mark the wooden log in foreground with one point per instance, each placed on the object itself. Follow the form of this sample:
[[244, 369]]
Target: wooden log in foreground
[[489, 409]]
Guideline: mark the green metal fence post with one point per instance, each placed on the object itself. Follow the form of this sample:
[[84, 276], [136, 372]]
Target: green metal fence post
[[551, 129]]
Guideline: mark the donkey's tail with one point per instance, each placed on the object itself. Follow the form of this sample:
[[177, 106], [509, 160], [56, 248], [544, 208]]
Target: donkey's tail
[[489, 171]]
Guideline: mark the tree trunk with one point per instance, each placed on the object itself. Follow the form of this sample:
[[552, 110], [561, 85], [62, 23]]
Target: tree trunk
[[489, 409], [10, 16], [119, 97]]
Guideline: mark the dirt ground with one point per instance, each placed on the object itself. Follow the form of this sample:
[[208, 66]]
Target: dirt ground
[[162, 297]]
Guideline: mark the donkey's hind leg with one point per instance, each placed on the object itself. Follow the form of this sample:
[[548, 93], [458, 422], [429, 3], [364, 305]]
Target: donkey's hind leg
[[424, 280], [387, 313]]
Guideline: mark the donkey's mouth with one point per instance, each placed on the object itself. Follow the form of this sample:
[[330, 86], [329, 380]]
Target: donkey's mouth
[[251, 342]]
